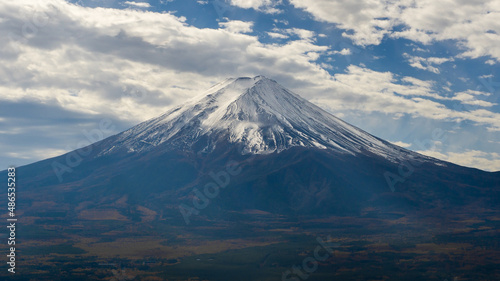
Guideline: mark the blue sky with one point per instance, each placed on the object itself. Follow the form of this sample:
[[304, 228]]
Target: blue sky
[[423, 74]]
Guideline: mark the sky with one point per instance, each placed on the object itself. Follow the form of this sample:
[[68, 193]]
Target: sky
[[422, 74]]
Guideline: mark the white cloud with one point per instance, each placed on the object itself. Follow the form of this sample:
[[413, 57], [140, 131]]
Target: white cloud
[[267, 6], [287, 32], [247, 4], [469, 97], [471, 158], [344, 52], [36, 153], [281, 21], [468, 22], [104, 54], [402, 144], [363, 90], [277, 35], [138, 4], [473, 24], [478, 93], [426, 63], [301, 33], [237, 26], [369, 21]]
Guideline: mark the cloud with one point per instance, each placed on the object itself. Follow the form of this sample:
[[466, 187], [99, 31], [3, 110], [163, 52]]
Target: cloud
[[343, 52], [285, 33], [55, 130], [277, 35], [486, 76], [426, 63], [139, 61], [473, 25], [138, 4], [237, 26], [470, 158], [364, 90], [402, 144], [367, 22], [266, 6], [301, 33], [36, 153], [469, 97]]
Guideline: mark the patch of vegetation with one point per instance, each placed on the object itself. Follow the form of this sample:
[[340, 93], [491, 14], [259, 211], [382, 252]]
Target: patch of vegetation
[[63, 249]]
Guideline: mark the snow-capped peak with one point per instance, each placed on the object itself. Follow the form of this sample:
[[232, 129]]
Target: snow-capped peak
[[258, 114]]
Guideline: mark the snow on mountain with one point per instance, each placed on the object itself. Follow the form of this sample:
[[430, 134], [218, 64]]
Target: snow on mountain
[[259, 114]]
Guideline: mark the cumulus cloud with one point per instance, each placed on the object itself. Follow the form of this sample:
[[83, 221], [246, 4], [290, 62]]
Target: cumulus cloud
[[138, 4], [267, 6], [294, 32], [237, 26], [343, 52], [364, 90], [105, 53], [473, 25], [367, 21], [469, 98], [301, 33], [426, 63]]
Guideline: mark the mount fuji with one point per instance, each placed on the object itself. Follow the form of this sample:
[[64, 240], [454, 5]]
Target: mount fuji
[[243, 182], [292, 158], [259, 115]]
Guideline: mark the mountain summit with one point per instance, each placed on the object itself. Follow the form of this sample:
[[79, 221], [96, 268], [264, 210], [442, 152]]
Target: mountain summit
[[260, 115]]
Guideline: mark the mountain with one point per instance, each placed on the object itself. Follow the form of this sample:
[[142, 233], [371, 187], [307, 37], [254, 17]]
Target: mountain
[[258, 114], [292, 158], [242, 182]]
